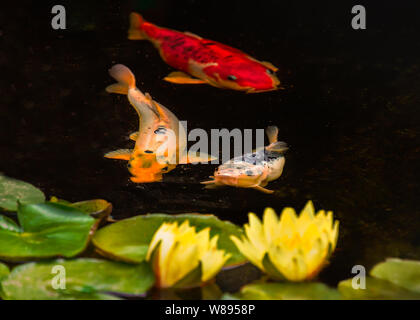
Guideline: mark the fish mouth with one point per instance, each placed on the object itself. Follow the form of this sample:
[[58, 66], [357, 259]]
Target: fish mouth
[[146, 176], [253, 90], [276, 85], [149, 178]]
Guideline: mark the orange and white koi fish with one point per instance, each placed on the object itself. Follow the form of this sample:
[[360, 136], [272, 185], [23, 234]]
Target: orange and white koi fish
[[161, 139], [253, 170], [205, 61]]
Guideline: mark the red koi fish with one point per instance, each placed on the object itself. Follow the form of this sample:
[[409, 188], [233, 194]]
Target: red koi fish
[[205, 61]]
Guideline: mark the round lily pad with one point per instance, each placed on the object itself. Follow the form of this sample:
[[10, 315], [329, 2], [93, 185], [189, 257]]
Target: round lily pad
[[286, 291], [77, 279], [13, 191], [128, 240], [375, 289], [46, 230], [403, 273], [4, 271]]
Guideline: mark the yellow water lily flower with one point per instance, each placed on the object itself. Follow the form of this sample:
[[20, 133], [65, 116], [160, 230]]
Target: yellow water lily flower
[[180, 256], [289, 247]]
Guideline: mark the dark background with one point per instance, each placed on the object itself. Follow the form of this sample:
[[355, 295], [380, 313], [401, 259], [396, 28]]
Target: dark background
[[349, 111]]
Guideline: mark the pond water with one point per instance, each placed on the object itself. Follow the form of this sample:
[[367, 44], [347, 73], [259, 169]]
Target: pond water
[[349, 113]]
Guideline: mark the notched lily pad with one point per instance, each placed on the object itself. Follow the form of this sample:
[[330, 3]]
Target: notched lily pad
[[46, 230], [286, 291], [128, 240], [13, 191], [403, 273], [375, 289], [77, 279], [97, 208]]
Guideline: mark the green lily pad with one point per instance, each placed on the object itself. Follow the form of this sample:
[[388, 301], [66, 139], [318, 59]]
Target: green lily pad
[[46, 230], [13, 191], [376, 289], [83, 279], [128, 240], [4, 271], [8, 224], [403, 273], [285, 291], [97, 208]]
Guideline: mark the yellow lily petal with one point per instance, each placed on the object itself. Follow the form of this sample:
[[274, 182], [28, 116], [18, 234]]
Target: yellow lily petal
[[255, 232], [270, 227], [249, 251], [179, 252], [297, 247], [176, 267], [211, 263]]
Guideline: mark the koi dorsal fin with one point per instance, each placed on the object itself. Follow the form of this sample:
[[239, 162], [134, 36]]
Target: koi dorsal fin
[[270, 66], [192, 35], [157, 108], [152, 105]]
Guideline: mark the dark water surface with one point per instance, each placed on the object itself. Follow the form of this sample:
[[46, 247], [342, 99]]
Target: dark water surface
[[349, 112]]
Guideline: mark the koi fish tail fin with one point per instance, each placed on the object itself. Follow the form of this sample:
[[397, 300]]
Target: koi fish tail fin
[[278, 146], [125, 78], [272, 133], [135, 31], [275, 145]]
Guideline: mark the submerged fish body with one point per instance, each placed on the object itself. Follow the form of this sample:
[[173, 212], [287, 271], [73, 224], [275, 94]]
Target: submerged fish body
[[253, 170], [161, 138], [205, 60]]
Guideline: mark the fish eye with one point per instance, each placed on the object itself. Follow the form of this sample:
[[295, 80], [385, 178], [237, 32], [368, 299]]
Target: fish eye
[[232, 78], [160, 130], [148, 151], [249, 173], [269, 71]]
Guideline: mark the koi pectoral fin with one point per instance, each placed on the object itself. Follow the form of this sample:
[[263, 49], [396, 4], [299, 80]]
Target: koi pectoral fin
[[182, 78], [121, 154], [212, 186], [117, 88], [259, 188], [200, 158], [208, 182], [134, 136]]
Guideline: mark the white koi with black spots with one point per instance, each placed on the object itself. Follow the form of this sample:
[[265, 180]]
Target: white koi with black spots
[[253, 170]]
